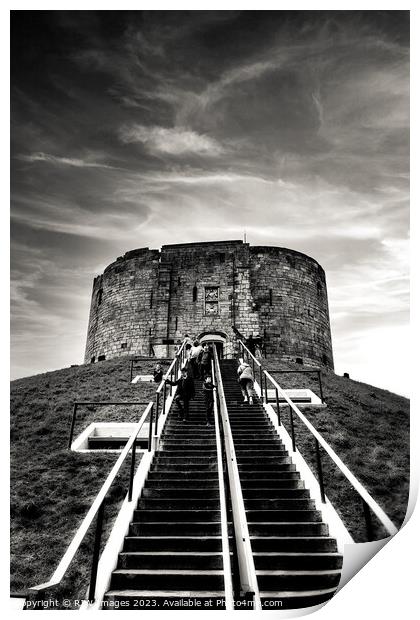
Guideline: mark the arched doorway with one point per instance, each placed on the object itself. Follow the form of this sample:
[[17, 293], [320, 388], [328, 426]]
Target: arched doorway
[[216, 338]]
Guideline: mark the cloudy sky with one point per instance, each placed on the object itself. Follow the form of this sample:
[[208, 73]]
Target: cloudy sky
[[134, 129]]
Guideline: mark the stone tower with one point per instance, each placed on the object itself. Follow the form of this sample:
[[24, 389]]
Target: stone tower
[[146, 301]]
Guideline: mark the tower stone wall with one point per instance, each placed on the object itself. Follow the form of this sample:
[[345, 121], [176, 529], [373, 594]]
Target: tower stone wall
[[147, 300]]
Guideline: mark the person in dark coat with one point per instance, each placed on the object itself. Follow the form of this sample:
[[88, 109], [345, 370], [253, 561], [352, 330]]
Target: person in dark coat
[[205, 362], [250, 344], [184, 393], [208, 388], [158, 373]]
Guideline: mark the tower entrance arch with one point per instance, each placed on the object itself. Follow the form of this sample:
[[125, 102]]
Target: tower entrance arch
[[216, 338]]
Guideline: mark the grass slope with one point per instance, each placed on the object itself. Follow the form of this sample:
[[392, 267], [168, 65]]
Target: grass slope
[[369, 429], [51, 487]]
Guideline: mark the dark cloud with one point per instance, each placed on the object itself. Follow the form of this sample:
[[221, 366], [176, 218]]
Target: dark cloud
[[133, 128]]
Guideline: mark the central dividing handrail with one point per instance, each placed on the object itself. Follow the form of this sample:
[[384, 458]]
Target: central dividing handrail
[[369, 504], [97, 509], [224, 495], [247, 575]]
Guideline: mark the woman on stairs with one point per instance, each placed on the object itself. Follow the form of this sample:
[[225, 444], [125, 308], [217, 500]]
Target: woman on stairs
[[246, 381]]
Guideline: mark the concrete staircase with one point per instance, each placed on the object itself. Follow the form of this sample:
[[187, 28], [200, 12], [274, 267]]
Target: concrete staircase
[[296, 561], [173, 550]]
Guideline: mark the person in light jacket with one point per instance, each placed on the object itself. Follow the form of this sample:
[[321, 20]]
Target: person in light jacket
[[196, 351], [246, 381]]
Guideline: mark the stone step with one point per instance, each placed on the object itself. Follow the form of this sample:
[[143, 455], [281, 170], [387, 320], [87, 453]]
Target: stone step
[[291, 528], [173, 543], [168, 442], [175, 503], [202, 432], [196, 423], [297, 580], [183, 528], [283, 480], [190, 425], [283, 516], [182, 486], [187, 476], [259, 461], [262, 490], [307, 544], [236, 404], [259, 469], [238, 427], [188, 452], [188, 492], [297, 561], [246, 414], [257, 436], [184, 579], [257, 440], [192, 459], [181, 466], [198, 560], [279, 503], [259, 452], [195, 514], [189, 443]]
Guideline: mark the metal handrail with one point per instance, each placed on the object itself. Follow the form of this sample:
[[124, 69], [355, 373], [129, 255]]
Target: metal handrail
[[227, 565], [97, 403], [179, 354], [96, 509], [248, 579], [312, 371], [367, 500], [319, 440], [172, 371]]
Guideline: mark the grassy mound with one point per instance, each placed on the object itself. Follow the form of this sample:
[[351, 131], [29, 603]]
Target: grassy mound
[[51, 487], [369, 429]]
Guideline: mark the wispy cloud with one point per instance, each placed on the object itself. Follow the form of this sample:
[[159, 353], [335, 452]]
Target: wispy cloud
[[172, 140], [69, 218], [62, 161]]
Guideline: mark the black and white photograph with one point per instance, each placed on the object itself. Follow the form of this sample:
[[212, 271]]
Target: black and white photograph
[[209, 305]]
